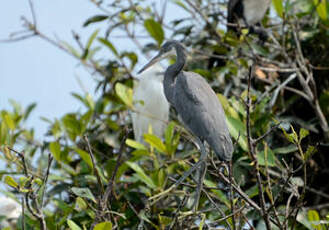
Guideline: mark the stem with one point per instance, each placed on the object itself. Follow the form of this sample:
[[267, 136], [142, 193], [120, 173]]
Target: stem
[[251, 147]]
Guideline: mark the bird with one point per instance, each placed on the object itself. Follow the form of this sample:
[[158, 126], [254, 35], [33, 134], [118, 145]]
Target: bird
[[151, 107], [243, 13], [11, 210], [198, 108], [247, 13]]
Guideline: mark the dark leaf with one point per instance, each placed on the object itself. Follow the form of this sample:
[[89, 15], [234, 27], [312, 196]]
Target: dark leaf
[[96, 18]]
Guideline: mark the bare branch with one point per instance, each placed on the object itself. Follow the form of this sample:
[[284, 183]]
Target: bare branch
[[107, 196], [251, 148], [95, 170], [34, 18], [50, 160], [255, 141]]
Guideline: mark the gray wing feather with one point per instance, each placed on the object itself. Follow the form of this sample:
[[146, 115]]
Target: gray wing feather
[[200, 110]]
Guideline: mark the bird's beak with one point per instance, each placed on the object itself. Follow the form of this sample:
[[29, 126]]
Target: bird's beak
[[154, 60]]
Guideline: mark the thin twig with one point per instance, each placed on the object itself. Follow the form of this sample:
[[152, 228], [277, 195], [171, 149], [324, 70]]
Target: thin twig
[[251, 148], [37, 212], [230, 166], [34, 18], [240, 192], [181, 204], [108, 192], [255, 141], [96, 173], [23, 214], [218, 209], [50, 160]]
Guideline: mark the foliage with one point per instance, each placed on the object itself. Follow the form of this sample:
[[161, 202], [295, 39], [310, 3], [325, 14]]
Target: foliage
[[102, 178]]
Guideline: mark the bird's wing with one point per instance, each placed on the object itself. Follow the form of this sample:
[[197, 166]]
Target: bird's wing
[[200, 110], [154, 109]]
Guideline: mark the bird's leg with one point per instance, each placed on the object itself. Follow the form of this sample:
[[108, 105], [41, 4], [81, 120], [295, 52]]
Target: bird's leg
[[202, 173]]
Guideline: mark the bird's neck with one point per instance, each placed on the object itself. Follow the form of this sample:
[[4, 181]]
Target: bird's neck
[[172, 72]]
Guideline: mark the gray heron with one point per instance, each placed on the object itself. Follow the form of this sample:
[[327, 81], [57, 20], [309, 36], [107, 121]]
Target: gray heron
[[199, 109], [247, 13], [151, 107]]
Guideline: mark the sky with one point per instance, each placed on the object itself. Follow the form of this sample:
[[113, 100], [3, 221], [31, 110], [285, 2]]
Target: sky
[[35, 71]]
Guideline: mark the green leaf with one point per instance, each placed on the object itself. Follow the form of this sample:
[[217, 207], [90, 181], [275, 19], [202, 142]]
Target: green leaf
[[11, 182], [103, 226], [278, 7], [16, 105], [109, 45], [169, 132], [72, 225], [169, 135], [79, 97], [6, 151], [87, 100], [29, 110], [93, 19], [261, 157], [55, 150], [179, 3], [70, 49], [23, 180], [132, 57], [141, 174], [291, 137], [92, 38], [237, 130], [222, 197], [85, 156], [252, 192], [229, 110], [155, 30], [72, 125], [90, 101], [313, 216], [155, 142], [165, 220], [124, 93], [83, 192], [303, 219], [203, 220], [285, 150], [37, 181], [303, 133], [309, 152], [135, 144], [90, 41], [82, 205], [9, 121], [321, 8]]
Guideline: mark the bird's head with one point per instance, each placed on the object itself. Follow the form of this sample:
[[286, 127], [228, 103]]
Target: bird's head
[[166, 50]]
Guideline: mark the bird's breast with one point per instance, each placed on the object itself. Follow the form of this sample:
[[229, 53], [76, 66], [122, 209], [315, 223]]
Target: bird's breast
[[254, 10]]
